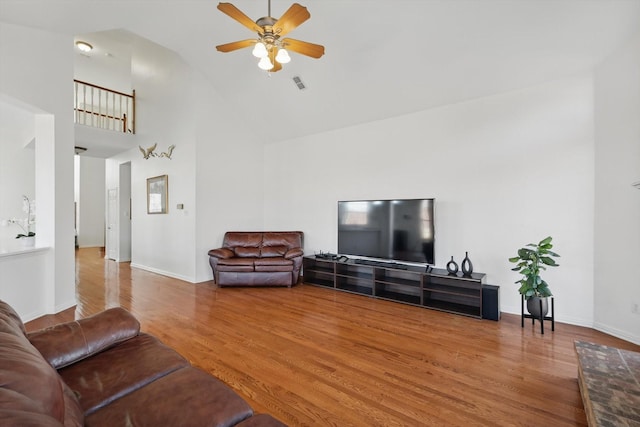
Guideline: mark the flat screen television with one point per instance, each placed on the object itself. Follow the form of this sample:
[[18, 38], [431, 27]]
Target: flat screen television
[[399, 230]]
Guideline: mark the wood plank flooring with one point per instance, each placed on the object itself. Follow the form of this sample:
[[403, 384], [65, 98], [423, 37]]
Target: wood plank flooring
[[316, 357]]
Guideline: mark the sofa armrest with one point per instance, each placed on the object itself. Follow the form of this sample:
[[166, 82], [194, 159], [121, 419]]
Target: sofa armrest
[[293, 253], [67, 343], [222, 253]]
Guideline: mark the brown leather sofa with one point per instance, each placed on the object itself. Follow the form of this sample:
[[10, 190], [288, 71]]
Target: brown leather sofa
[[258, 258], [102, 371]]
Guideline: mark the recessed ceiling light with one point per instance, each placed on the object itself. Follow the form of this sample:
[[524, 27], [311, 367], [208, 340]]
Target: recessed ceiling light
[[84, 46]]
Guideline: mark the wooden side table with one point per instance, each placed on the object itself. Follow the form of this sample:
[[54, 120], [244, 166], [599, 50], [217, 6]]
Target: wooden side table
[[541, 318]]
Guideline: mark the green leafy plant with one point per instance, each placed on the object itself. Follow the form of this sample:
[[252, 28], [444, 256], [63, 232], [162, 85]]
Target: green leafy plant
[[529, 263]]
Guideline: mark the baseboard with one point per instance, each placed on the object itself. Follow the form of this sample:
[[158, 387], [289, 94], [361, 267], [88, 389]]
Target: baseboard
[[617, 333], [32, 316], [65, 306], [57, 309], [164, 273]]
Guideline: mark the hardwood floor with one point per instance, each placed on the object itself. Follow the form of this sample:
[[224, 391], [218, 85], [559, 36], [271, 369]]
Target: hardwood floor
[[314, 356]]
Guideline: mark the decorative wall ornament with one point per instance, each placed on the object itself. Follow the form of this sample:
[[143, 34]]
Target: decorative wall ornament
[[149, 152]]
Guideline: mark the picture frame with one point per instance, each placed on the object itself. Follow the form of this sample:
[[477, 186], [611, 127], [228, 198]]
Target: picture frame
[[157, 194]]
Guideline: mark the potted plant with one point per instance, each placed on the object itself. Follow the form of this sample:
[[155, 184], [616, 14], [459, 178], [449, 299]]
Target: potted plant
[[27, 236], [530, 260]]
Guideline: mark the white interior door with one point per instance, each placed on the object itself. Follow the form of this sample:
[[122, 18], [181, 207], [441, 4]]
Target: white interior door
[[112, 224]]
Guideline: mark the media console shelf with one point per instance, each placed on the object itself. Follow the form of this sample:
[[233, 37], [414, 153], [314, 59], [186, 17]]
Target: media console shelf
[[408, 284]]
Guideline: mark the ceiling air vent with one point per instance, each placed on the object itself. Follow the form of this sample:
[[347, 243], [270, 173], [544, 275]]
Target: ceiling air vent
[[298, 81], [637, 185]]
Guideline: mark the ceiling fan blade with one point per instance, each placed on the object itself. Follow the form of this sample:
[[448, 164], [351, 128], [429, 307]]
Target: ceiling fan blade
[[237, 14], [230, 47], [276, 65], [293, 17], [303, 48]]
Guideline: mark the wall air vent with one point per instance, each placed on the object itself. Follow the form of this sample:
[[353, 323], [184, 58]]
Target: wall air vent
[[298, 81]]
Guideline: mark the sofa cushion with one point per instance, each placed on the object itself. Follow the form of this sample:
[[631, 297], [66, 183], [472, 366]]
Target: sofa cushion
[[247, 252], [106, 376], [247, 239], [73, 414], [186, 397], [236, 264], [276, 261], [29, 379], [273, 251], [273, 264], [27, 382], [10, 321], [290, 239], [11, 417]]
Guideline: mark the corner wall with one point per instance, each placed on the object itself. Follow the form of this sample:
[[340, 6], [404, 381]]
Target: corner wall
[[505, 170], [617, 203], [215, 171], [23, 78]]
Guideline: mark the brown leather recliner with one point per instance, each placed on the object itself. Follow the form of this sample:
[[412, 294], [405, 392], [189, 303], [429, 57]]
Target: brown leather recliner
[[102, 371], [258, 258]]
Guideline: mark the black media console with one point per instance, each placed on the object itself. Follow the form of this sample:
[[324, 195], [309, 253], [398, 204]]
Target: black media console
[[410, 284]]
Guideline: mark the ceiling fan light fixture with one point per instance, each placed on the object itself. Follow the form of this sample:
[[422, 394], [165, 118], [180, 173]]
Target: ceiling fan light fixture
[[283, 56], [260, 50], [265, 64], [268, 46]]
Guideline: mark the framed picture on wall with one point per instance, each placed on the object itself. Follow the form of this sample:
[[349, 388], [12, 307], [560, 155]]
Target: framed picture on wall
[[157, 194]]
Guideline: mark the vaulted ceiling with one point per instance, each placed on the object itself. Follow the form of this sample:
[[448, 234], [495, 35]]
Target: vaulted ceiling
[[383, 58]]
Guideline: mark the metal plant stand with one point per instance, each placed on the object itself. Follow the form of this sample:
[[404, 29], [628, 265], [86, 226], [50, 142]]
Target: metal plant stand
[[541, 318]]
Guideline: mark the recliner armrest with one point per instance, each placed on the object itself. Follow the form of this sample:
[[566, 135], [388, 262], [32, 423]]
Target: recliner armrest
[[222, 253], [293, 253], [67, 343]]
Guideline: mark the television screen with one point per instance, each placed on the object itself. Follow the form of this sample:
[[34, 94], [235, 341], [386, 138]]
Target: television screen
[[401, 230]]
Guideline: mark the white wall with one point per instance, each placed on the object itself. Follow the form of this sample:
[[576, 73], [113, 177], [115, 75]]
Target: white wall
[[23, 283], [505, 170], [214, 157], [617, 203], [230, 182], [44, 81], [163, 243], [91, 202], [17, 168], [109, 69]]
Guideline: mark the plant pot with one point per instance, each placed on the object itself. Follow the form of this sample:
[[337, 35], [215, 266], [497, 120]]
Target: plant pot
[[28, 242], [533, 306]]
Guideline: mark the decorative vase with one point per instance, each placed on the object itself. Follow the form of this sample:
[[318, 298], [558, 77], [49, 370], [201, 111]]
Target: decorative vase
[[533, 306], [467, 266], [452, 267], [28, 242]]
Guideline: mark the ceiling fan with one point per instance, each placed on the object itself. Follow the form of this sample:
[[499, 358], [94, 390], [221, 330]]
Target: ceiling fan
[[270, 47]]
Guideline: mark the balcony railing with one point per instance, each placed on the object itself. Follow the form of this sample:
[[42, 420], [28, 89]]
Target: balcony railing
[[104, 108]]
